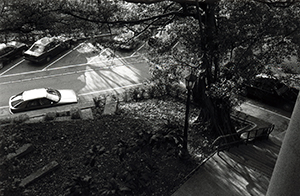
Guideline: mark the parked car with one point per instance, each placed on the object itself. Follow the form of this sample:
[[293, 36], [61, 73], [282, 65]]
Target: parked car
[[46, 48], [41, 98], [126, 40], [164, 38], [272, 91], [10, 51]]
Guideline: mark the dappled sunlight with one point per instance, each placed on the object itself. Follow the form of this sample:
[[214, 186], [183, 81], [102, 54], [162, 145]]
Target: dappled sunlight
[[78, 55], [105, 59], [126, 73], [235, 177], [86, 48], [104, 79]]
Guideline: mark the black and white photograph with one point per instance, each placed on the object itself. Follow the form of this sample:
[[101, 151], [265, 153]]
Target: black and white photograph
[[149, 97]]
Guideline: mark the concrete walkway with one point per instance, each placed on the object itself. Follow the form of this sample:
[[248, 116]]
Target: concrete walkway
[[244, 170]]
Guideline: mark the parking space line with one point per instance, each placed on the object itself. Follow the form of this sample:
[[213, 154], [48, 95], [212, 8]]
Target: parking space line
[[15, 65], [61, 57], [59, 74], [63, 67], [138, 50]]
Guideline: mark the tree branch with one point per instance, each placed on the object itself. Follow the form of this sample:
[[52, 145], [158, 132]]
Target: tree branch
[[130, 21], [277, 3], [178, 1]]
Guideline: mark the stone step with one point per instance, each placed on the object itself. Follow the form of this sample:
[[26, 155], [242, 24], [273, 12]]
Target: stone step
[[87, 114], [111, 106], [39, 173], [22, 151]]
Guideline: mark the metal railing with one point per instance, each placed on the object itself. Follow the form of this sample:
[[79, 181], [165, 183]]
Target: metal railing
[[242, 136]]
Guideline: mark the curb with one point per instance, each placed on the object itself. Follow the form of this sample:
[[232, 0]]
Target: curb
[[40, 117]]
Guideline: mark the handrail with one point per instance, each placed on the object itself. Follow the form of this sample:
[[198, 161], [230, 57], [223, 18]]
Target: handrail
[[243, 138], [239, 131]]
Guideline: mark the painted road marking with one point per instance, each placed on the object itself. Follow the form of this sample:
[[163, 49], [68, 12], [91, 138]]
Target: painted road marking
[[64, 67], [63, 74], [15, 65], [62, 56], [138, 49]]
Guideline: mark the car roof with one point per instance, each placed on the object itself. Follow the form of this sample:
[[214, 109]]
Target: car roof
[[34, 94], [44, 41], [15, 44], [2, 45]]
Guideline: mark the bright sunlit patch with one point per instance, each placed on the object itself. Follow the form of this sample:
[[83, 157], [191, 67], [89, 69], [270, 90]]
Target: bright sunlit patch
[[88, 48]]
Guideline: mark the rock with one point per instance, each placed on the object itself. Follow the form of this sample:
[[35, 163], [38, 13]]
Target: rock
[[22, 151], [39, 173], [111, 106], [50, 116], [2, 145], [75, 113], [87, 114]]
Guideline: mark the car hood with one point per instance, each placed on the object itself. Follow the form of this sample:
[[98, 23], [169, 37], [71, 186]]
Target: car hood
[[68, 96]]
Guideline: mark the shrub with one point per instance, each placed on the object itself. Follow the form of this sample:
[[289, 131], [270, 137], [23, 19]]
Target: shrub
[[173, 90], [75, 113], [139, 93], [5, 120], [50, 116], [63, 113], [99, 101], [182, 93], [146, 93], [159, 90], [21, 118], [99, 104]]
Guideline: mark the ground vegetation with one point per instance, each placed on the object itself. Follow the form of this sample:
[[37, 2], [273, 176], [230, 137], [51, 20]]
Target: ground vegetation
[[134, 152]]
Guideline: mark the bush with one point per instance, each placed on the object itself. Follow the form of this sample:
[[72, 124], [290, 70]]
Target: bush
[[159, 90], [21, 118], [75, 113], [173, 90], [146, 93], [99, 101], [5, 120], [63, 113], [50, 116], [99, 104]]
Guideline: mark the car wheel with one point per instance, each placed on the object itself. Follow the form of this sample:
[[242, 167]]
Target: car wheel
[[22, 52], [48, 59], [67, 45]]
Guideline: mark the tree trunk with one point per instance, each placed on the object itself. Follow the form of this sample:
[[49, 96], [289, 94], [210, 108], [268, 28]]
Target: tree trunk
[[213, 110]]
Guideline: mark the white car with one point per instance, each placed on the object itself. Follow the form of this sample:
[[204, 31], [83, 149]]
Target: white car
[[41, 98], [47, 48]]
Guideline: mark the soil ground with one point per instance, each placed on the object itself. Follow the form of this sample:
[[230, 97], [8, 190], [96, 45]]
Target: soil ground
[[131, 153]]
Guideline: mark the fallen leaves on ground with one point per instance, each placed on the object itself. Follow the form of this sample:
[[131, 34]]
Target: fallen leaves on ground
[[86, 153]]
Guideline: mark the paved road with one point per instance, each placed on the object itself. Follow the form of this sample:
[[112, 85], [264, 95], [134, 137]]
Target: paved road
[[84, 69]]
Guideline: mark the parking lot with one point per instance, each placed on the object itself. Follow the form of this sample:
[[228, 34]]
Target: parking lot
[[87, 69]]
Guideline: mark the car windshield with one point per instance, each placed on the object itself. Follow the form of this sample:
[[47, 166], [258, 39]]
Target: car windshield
[[38, 48], [2, 52], [17, 100], [2, 49]]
